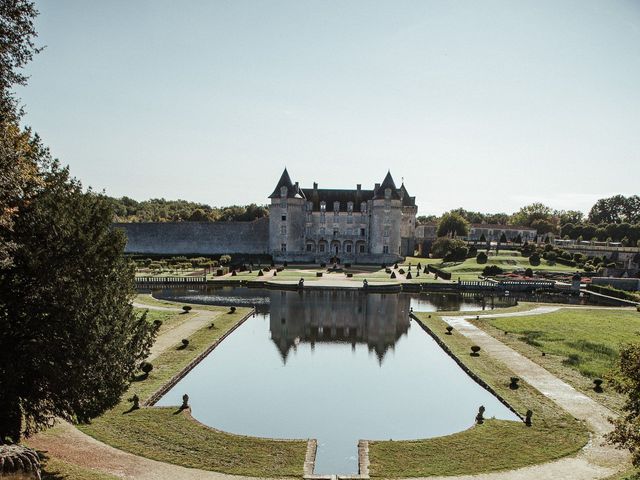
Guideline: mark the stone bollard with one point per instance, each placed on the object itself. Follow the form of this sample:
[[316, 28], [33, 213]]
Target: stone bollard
[[527, 419], [185, 402], [480, 415]]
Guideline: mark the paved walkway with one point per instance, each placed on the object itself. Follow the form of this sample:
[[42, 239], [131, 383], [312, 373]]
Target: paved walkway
[[597, 459], [196, 319]]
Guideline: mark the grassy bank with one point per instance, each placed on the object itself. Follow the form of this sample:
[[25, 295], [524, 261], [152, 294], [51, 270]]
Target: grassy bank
[[169, 435], [56, 469], [495, 445], [579, 344]]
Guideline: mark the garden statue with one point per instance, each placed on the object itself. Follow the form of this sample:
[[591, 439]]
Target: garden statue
[[527, 420], [136, 402], [480, 415], [185, 402], [301, 283]]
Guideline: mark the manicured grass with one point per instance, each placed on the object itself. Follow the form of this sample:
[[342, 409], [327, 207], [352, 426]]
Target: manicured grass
[[56, 469], [495, 445], [168, 435], [588, 340], [169, 319]]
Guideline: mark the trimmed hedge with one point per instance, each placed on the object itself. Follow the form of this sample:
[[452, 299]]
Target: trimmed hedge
[[439, 272], [613, 292]]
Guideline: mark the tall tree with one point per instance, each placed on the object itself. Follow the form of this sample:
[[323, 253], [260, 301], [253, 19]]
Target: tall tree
[[530, 213], [616, 209], [452, 224], [69, 339]]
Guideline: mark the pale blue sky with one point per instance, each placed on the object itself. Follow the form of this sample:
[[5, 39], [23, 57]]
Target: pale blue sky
[[485, 105]]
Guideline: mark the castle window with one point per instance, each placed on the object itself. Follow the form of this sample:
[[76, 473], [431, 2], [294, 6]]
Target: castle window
[[335, 232], [350, 218], [321, 231], [362, 232], [386, 231], [284, 218], [361, 248], [283, 247], [387, 193], [283, 192], [283, 229], [321, 248], [323, 206], [309, 206], [336, 207], [309, 247], [349, 207], [348, 248], [385, 249], [363, 207]]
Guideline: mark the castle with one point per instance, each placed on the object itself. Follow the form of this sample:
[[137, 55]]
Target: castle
[[353, 226], [310, 225]]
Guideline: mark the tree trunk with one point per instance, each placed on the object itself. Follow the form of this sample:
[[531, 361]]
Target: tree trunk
[[10, 418]]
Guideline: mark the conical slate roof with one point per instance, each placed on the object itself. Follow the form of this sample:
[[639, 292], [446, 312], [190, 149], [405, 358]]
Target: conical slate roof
[[285, 181], [407, 201], [387, 183]]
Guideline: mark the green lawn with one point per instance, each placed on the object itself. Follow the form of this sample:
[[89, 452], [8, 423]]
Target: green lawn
[[495, 445], [167, 435], [588, 340]]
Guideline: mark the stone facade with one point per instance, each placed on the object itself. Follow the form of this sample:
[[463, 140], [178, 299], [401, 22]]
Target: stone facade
[[354, 226], [304, 225]]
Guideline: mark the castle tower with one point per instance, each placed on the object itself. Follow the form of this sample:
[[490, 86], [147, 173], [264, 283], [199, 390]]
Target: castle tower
[[386, 219], [286, 219]]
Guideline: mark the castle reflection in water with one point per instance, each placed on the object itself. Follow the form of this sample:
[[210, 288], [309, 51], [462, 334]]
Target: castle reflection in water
[[338, 316]]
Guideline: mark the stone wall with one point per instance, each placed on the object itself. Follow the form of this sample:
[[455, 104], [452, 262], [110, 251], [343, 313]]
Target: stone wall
[[202, 238]]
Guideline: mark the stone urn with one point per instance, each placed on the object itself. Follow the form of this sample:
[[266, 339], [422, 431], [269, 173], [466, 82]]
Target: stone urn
[[19, 462]]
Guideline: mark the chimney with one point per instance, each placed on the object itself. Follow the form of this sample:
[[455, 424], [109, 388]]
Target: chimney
[[359, 186], [377, 186], [315, 186], [297, 186]]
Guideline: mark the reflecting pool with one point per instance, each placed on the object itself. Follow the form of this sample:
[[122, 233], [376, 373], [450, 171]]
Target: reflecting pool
[[338, 366]]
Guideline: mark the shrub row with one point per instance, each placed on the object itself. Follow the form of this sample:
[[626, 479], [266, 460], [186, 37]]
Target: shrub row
[[613, 292], [440, 273]]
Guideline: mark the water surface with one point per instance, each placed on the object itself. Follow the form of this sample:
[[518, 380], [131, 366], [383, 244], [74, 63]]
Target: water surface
[[337, 366]]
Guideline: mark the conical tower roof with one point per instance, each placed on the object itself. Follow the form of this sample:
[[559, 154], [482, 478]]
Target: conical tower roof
[[285, 181], [387, 183]]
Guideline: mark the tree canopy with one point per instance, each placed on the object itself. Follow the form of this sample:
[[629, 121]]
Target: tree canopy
[[452, 224], [160, 210], [69, 339]]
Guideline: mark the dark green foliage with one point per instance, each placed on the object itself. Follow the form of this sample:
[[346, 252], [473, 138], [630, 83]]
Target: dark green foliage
[[452, 224], [614, 292], [503, 238], [146, 367], [448, 247], [626, 380], [160, 210], [491, 270], [528, 272], [481, 258], [69, 339], [186, 308], [534, 259], [473, 251]]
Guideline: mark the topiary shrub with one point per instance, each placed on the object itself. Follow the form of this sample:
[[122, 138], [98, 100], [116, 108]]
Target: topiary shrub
[[232, 309], [449, 329], [393, 275], [474, 350], [597, 385], [528, 272], [482, 258], [186, 309], [491, 270], [185, 343], [260, 273], [534, 259], [146, 368], [401, 271], [513, 385]]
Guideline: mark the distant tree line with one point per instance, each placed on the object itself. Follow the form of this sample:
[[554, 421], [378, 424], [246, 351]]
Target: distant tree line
[[160, 210], [615, 218]]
